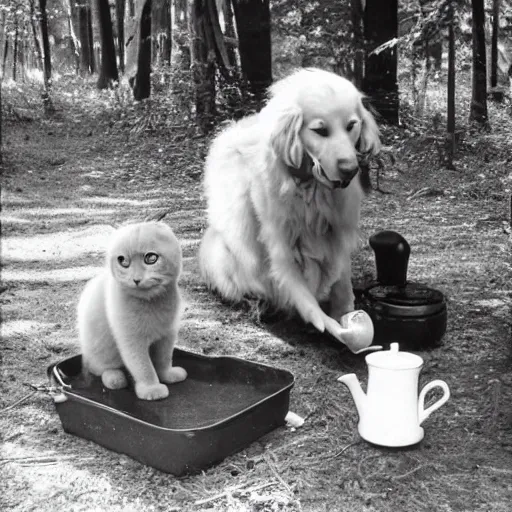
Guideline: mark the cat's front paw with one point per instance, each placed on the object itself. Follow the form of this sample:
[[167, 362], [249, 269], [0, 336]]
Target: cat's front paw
[[151, 391], [172, 374], [114, 379]]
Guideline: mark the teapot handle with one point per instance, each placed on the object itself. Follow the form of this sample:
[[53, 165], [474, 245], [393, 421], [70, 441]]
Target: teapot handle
[[423, 413]]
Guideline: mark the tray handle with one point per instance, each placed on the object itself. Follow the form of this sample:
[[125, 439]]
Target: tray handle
[[54, 375]]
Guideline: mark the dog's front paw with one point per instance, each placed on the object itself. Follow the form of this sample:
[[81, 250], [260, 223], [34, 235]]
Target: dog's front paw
[[172, 374], [315, 316], [151, 391], [333, 327]]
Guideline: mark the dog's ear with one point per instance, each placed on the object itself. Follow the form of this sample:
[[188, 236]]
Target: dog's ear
[[369, 140], [285, 138]]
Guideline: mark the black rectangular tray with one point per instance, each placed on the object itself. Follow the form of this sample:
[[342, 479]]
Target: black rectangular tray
[[225, 404]]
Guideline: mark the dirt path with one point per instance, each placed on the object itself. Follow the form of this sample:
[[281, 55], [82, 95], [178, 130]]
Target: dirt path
[[67, 183]]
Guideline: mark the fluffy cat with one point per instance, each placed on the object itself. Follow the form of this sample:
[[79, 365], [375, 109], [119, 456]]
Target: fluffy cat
[[129, 314]]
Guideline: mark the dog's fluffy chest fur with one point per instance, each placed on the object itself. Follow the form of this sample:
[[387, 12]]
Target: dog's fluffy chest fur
[[314, 226]]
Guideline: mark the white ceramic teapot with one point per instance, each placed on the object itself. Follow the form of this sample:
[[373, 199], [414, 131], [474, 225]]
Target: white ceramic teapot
[[390, 413]]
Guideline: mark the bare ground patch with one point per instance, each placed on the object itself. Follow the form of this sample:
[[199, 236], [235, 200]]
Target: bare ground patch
[[66, 185]]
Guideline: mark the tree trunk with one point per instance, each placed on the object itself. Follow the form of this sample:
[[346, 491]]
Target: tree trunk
[[138, 50], [421, 53], [167, 43], [83, 12], [75, 44], [182, 33], [120, 12], [37, 44], [478, 110], [358, 41], [3, 46], [141, 82], [1, 154], [22, 55], [92, 58], [450, 117], [494, 42], [4, 61], [162, 32], [3, 32], [131, 8], [215, 37], [108, 70], [1, 78], [380, 80], [15, 50], [253, 27], [229, 31], [46, 44], [203, 66]]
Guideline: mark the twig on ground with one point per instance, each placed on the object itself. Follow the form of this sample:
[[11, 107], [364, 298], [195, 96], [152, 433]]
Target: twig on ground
[[42, 460], [411, 472], [425, 191], [345, 448], [277, 475], [230, 490], [495, 405], [496, 470], [362, 479], [18, 402]]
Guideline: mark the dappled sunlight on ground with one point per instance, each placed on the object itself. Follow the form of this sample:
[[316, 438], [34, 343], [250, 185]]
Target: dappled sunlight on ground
[[69, 185], [56, 246], [13, 221], [11, 328], [49, 213], [17, 225], [46, 471], [71, 274], [119, 201], [10, 199]]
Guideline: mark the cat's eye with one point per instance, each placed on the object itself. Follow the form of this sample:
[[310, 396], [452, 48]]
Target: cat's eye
[[150, 258], [322, 131], [351, 125], [124, 262]]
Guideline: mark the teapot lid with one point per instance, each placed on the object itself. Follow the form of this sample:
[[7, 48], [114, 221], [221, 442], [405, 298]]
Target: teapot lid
[[393, 359]]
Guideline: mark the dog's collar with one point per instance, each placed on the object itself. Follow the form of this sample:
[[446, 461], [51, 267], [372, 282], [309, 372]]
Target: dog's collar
[[303, 174], [304, 180]]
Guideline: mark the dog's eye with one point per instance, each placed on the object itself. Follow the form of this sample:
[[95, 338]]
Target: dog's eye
[[124, 262], [321, 130], [351, 125], [150, 258]]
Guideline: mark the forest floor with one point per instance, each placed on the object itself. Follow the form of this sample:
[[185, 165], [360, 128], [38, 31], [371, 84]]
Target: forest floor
[[68, 181]]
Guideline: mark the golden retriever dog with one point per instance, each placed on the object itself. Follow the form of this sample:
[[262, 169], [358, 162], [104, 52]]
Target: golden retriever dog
[[283, 204]]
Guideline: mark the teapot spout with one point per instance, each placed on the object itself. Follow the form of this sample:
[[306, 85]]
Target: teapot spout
[[351, 381]]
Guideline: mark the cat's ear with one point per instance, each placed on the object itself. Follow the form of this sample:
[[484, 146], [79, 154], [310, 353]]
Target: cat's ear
[[156, 216]]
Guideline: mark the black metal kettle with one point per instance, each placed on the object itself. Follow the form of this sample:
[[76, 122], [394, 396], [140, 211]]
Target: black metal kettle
[[409, 313]]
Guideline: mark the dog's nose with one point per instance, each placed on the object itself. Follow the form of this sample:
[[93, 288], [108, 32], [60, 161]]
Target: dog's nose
[[347, 168]]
